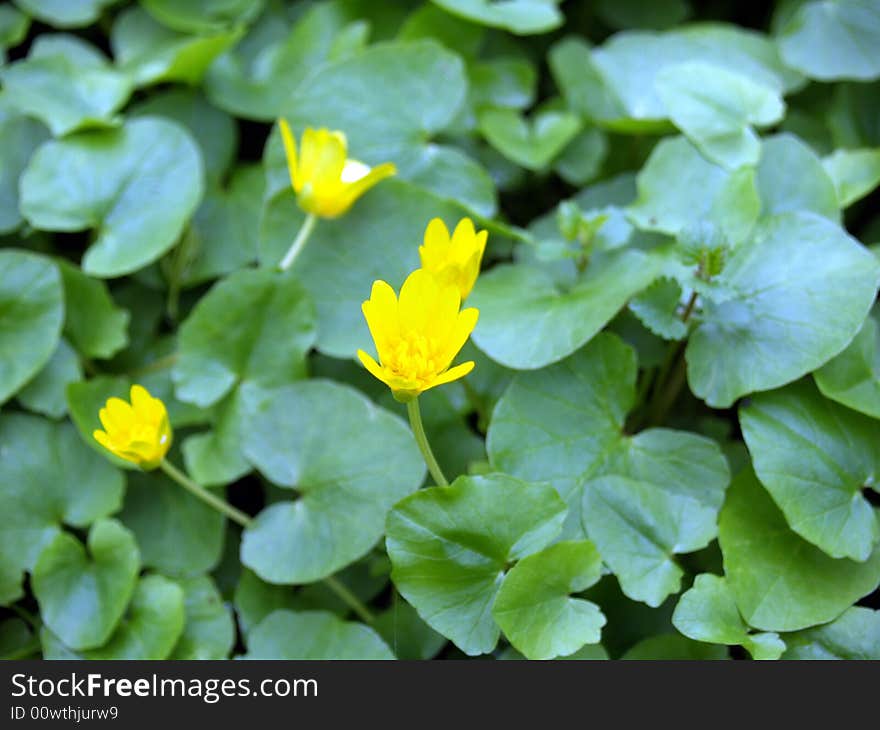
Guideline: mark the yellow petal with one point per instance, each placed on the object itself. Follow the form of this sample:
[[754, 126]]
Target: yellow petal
[[352, 191], [322, 159], [380, 311], [461, 330], [459, 371], [463, 239], [289, 151], [434, 250], [370, 364]]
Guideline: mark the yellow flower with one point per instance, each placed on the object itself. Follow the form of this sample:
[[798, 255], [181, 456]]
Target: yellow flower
[[418, 336], [325, 182], [137, 432], [454, 260]]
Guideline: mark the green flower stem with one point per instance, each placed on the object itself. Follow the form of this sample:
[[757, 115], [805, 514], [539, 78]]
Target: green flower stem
[[415, 420], [339, 588], [299, 242], [203, 494], [244, 520]]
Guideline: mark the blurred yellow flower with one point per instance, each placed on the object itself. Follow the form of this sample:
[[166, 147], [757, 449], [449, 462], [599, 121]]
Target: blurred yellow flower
[[454, 260], [326, 183], [139, 431], [418, 336]]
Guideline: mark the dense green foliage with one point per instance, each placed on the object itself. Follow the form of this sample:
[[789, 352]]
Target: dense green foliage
[[670, 444]]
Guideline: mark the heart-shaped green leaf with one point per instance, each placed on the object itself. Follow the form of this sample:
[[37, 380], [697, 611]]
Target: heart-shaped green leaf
[[707, 612], [853, 377], [717, 108], [531, 143], [136, 185], [450, 548], [703, 192], [177, 533], [779, 580], [395, 120], [209, 631], [855, 634], [149, 630], [151, 53], [641, 499], [31, 313], [313, 635], [534, 607], [233, 336], [92, 321], [64, 94], [83, 593], [815, 458], [47, 477], [833, 39], [347, 460], [517, 301], [46, 393], [788, 316]]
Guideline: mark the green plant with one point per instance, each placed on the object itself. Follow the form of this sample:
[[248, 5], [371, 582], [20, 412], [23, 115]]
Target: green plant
[[669, 444]]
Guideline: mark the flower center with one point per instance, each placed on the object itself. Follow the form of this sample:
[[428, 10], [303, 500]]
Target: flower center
[[413, 358]]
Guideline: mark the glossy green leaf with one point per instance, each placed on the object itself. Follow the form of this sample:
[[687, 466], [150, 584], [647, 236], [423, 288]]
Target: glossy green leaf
[[853, 377], [31, 313], [534, 607], [508, 83], [640, 498], [65, 13], [215, 456], [46, 393], [674, 647], [717, 109], [178, 534], [66, 95], [855, 173], [451, 546], [532, 143], [232, 336], [580, 160], [209, 629], [855, 634], [149, 630], [202, 16], [19, 137], [343, 492], [406, 634], [780, 581], [396, 120], [93, 322], [790, 177], [313, 635], [707, 612], [523, 17], [47, 477], [151, 53], [213, 130], [616, 83], [815, 457], [224, 233], [703, 192], [83, 592], [833, 39], [657, 309], [788, 316], [136, 186], [255, 79], [517, 302]]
